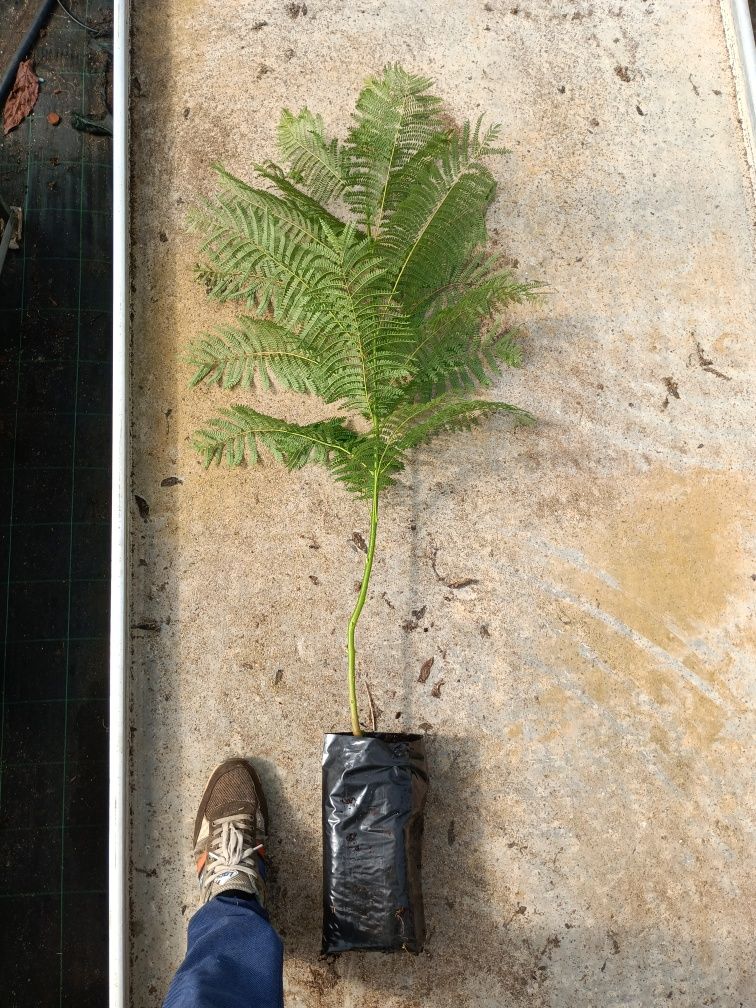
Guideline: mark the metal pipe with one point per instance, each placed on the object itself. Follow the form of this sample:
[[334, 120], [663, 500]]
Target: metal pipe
[[743, 57], [27, 42], [118, 819]]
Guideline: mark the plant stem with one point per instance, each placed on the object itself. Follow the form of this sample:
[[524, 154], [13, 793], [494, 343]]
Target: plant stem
[[356, 730]]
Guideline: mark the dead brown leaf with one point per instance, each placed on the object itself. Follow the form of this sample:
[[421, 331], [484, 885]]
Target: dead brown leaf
[[425, 670], [22, 98], [436, 691]]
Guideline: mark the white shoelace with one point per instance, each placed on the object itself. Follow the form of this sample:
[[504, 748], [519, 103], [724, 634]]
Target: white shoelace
[[228, 853]]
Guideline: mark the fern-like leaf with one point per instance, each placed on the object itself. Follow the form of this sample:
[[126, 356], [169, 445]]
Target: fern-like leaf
[[461, 344], [395, 314], [303, 224], [253, 350], [412, 423], [237, 433], [295, 197], [442, 217], [395, 118], [314, 161]]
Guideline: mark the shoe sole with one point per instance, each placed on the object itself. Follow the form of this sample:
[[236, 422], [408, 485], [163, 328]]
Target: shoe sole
[[215, 775]]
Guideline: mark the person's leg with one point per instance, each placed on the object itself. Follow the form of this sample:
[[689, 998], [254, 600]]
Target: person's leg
[[234, 958]]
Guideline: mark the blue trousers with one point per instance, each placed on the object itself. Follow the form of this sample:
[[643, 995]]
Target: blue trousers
[[234, 958]]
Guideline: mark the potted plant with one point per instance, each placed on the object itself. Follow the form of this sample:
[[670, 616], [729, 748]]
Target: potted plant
[[363, 280]]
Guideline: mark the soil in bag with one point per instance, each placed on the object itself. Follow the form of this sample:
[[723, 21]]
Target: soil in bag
[[374, 790]]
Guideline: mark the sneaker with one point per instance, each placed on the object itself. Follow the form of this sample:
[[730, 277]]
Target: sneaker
[[229, 833]]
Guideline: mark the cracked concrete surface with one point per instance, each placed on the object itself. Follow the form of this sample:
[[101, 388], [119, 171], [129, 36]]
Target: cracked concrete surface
[[588, 835]]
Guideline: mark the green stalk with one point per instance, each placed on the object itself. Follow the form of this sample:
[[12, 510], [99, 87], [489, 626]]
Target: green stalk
[[356, 730]]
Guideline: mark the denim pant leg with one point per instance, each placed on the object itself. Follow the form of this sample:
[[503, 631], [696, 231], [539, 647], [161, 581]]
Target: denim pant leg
[[234, 959]]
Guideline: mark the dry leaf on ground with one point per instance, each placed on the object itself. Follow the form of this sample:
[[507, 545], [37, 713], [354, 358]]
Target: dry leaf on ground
[[425, 670], [22, 98]]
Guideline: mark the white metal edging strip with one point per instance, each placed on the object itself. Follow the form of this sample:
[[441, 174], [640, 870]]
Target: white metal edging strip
[[745, 54], [118, 822]]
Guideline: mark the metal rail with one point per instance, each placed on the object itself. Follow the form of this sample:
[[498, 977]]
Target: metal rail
[[118, 957]]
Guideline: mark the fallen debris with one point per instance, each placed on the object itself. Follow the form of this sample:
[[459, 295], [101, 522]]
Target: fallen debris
[[425, 670], [412, 624], [374, 714], [672, 388], [150, 625], [707, 364], [97, 127], [359, 541], [463, 583], [22, 98], [454, 585]]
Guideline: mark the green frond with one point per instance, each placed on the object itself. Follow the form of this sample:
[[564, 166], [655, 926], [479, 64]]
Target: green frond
[[413, 423], [473, 290], [250, 246], [302, 222], [229, 264], [395, 314], [332, 294], [394, 119], [222, 286], [314, 162], [457, 349], [253, 351], [365, 343], [367, 462], [294, 196], [238, 433], [442, 218], [401, 182], [448, 365]]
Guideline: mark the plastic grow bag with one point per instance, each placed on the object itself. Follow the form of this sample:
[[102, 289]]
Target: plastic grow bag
[[374, 789]]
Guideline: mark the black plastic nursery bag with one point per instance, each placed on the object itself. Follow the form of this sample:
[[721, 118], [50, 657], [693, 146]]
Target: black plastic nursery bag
[[374, 789]]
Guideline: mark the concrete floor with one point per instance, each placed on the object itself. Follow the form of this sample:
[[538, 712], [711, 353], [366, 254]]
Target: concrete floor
[[588, 836]]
